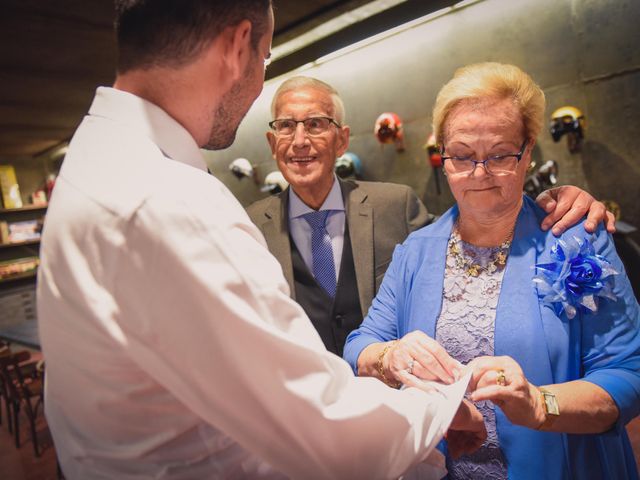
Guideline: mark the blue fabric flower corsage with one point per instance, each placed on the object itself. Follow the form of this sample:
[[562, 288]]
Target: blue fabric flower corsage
[[576, 277]]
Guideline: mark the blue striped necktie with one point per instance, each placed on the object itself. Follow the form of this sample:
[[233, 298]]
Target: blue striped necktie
[[324, 269]]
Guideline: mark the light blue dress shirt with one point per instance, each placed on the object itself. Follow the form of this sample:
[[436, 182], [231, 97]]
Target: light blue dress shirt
[[301, 230]]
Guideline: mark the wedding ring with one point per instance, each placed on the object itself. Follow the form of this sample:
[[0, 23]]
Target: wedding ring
[[501, 379], [410, 366]]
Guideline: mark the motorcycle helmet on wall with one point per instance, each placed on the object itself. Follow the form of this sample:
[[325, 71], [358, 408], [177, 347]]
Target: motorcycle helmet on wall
[[434, 157], [568, 121], [348, 165], [433, 152], [388, 129], [241, 168], [274, 183]]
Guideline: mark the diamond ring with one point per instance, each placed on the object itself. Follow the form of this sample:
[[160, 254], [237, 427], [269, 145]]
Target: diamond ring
[[410, 366]]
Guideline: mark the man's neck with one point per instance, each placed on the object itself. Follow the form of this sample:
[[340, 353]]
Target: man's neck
[[314, 197], [138, 83], [168, 89]]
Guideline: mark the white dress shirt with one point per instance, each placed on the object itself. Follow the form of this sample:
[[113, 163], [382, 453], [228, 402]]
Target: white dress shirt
[[301, 230], [173, 349]]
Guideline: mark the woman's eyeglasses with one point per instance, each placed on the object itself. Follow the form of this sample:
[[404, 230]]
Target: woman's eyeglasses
[[499, 164]]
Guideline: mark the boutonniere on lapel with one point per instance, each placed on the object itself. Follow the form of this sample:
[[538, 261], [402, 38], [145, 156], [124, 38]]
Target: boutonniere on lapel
[[576, 277]]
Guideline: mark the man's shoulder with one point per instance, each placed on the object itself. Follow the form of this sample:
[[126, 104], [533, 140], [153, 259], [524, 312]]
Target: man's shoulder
[[257, 209], [381, 190]]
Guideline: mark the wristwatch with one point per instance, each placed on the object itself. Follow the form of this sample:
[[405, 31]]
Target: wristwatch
[[551, 408]]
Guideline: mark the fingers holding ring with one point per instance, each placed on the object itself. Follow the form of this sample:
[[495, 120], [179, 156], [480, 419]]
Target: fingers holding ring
[[501, 379], [410, 365]]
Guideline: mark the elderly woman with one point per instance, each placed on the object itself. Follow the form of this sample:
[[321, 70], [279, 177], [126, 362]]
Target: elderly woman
[[555, 348]]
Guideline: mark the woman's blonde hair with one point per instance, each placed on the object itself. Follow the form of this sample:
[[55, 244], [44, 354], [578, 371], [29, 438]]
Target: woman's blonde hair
[[491, 81]]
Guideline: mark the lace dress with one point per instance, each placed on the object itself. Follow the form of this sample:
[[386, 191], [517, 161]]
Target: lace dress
[[465, 328]]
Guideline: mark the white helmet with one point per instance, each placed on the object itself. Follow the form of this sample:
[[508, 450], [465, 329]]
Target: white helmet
[[241, 167], [274, 183]]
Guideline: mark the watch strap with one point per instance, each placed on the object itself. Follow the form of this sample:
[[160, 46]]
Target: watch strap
[[550, 406]]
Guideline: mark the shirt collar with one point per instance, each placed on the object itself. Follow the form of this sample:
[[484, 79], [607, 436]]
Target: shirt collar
[[334, 201], [150, 120]]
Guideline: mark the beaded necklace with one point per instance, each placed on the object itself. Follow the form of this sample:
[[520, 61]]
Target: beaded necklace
[[498, 258]]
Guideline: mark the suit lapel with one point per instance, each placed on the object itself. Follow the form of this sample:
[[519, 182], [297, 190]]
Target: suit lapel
[[359, 215], [276, 232]]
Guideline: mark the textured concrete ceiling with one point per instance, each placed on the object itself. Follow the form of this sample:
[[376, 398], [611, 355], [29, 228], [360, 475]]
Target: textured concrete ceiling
[[54, 53]]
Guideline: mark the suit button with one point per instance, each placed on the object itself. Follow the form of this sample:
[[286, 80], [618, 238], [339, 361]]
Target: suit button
[[339, 320]]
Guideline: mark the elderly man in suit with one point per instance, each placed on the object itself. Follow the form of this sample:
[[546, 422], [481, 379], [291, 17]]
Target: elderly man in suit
[[335, 238]]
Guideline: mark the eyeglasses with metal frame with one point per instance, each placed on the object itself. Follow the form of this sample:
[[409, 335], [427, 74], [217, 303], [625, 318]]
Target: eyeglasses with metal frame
[[501, 164], [313, 126]]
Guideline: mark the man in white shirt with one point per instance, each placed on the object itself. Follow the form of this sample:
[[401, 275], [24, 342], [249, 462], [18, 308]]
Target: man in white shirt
[[173, 349]]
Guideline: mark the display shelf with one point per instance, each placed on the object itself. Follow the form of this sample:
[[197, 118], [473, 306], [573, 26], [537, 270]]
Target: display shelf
[[21, 276], [10, 252], [28, 208], [19, 244]]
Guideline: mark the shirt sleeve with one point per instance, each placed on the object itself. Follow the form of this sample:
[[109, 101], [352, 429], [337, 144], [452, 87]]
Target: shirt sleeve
[[611, 339], [381, 322], [216, 328]]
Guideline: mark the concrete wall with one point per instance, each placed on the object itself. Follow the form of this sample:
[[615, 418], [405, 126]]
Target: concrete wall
[[584, 53]]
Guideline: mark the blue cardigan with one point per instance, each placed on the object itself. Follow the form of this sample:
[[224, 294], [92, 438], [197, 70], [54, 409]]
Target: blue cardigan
[[602, 348]]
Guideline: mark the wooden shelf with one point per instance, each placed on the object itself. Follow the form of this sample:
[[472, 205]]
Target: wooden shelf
[[30, 274], [10, 252], [19, 244], [28, 208]]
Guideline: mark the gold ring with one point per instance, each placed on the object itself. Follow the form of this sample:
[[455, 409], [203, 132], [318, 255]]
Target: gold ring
[[501, 379]]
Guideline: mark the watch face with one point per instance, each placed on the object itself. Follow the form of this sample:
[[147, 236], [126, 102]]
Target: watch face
[[551, 404]]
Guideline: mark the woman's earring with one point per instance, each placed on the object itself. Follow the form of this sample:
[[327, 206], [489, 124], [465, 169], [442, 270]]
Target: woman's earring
[[531, 167]]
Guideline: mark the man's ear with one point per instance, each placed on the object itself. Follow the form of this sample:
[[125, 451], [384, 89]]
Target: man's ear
[[343, 139], [271, 138], [237, 48]]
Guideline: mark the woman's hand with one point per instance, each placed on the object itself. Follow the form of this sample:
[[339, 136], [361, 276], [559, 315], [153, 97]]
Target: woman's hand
[[420, 355], [501, 380], [467, 431]]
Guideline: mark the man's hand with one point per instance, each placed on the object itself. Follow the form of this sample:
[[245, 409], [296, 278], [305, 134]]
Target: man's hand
[[467, 432], [567, 205]]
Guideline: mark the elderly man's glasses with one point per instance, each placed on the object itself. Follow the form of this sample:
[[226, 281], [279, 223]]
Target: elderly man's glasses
[[312, 126], [498, 164]]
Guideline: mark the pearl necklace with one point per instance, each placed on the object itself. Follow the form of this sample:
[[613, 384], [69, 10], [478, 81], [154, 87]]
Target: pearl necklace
[[468, 265]]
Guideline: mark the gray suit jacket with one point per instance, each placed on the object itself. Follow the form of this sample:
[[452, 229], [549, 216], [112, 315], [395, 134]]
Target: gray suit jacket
[[379, 215]]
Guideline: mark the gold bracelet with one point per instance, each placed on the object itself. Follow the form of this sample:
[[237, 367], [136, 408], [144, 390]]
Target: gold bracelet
[[380, 368]]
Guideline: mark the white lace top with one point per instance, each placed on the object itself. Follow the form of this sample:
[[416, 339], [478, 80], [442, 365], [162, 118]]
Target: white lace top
[[465, 328]]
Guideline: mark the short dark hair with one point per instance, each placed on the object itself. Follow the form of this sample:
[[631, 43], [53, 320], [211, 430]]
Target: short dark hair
[[173, 32]]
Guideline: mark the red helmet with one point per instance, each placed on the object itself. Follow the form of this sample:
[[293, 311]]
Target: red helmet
[[433, 152], [388, 128]]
